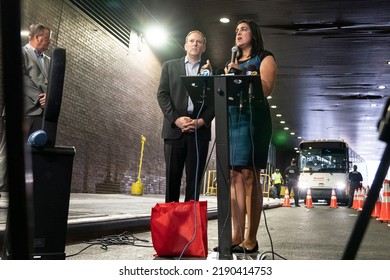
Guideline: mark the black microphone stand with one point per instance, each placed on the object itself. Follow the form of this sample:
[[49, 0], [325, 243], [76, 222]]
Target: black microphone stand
[[364, 217]]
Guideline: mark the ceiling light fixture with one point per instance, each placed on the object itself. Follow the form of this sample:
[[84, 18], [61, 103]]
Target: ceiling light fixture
[[24, 33], [156, 36], [224, 20], [381, 87]]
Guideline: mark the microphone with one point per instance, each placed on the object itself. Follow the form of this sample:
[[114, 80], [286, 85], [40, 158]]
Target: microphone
[[234, 53], [251, 71], [234, 71]]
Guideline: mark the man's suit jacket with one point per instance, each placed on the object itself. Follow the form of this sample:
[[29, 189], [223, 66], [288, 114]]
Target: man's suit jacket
[[173, 98], [35, 79]]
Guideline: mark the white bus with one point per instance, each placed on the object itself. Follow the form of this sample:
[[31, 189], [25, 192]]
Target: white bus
[[324, 165]]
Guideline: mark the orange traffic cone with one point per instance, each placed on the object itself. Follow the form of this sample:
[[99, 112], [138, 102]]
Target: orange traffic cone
[[309, 200], [385, 206], [356, 200], [360, 200], [354, 203], [377, 209], [286, 202], [333, 200]]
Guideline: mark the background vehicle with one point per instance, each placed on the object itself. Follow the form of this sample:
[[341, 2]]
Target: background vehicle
[[324, 165]]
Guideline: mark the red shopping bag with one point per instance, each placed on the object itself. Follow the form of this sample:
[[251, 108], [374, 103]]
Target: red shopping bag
[[180, 228]]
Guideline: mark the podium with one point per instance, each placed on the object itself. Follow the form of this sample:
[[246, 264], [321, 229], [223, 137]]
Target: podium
[[222, 92], [54, 96], [201, 90], [48, 174]]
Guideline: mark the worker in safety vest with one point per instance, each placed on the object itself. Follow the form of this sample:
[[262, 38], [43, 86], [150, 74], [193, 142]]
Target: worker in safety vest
[[277, 181]]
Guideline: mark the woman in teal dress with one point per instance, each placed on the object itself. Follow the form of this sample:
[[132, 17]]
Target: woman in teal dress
[[250, 132]]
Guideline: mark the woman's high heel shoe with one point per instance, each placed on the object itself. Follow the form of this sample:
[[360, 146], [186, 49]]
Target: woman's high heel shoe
[[243, 250], [216, 249]]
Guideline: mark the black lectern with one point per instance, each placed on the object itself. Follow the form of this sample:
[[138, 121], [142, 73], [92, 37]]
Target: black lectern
[[52, 173], [229, 90], [222, 91], [51, 178], [200, 89], [54, 96]]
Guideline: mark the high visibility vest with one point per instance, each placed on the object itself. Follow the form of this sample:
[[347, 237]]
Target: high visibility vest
[[277, 178]]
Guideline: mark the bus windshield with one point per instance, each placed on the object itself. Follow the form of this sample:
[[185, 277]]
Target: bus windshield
[[323, 160]]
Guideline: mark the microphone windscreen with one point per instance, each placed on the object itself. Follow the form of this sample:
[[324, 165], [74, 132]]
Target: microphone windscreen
[[234, 53], [38, 138], [251, 70], [234, 49]]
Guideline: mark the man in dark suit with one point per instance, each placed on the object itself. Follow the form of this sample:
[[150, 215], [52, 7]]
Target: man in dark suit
[[186, 131], [35, 69]]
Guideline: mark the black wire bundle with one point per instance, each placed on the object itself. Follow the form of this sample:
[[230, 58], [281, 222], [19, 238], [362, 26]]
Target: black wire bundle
[[124, 238]]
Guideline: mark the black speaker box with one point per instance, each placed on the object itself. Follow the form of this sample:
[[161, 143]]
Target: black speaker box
[[52, 175]]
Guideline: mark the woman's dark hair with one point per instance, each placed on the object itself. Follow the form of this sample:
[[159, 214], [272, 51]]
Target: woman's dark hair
[[257, 39]]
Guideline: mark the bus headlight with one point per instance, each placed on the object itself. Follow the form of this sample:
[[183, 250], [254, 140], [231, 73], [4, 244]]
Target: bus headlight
[[341, 185], [303, 185]]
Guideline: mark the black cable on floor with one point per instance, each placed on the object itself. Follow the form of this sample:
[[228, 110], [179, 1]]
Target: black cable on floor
[[124, 238]]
